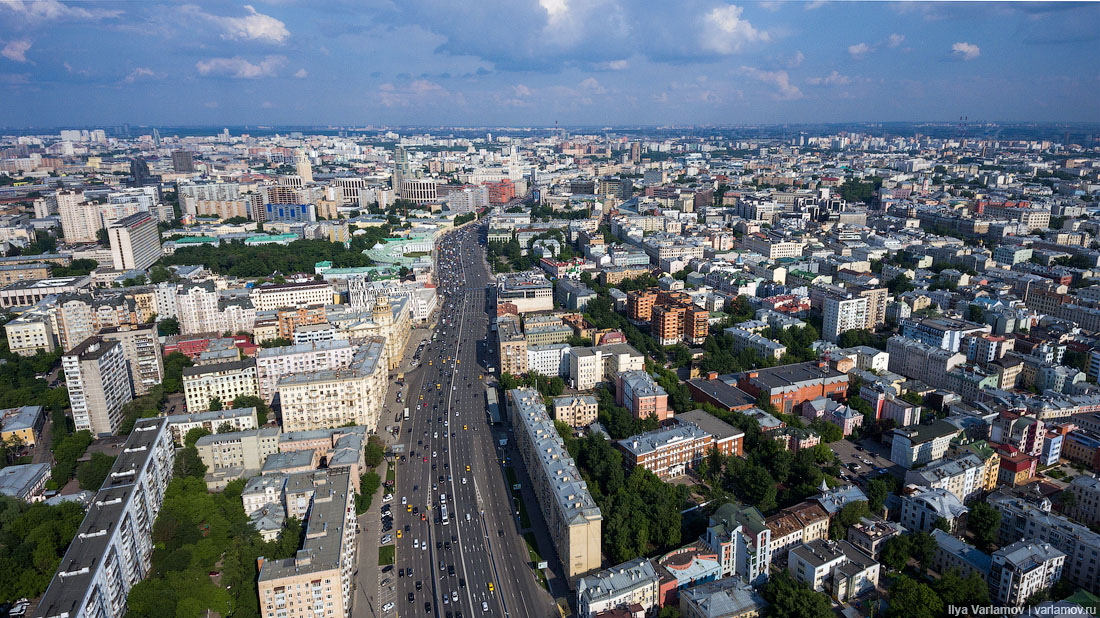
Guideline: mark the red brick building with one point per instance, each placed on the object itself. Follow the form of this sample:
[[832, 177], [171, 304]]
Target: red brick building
[[788, 386], [501, 192]]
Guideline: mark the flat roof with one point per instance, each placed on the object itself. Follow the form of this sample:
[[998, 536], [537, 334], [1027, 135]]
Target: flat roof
[[709, 423], [324, 526]]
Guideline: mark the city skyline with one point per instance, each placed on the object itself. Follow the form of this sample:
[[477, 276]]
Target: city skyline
[[537, 63]]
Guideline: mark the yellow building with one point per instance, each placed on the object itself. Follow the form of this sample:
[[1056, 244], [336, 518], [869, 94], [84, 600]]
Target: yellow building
[[22, 426]]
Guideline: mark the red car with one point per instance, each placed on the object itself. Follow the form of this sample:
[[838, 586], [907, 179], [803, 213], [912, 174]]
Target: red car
[[425, 460]]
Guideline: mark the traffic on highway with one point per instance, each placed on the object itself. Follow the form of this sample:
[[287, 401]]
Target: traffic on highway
[[458, 550]]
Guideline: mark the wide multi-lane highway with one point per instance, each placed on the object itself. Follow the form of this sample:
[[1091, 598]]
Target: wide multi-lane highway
[[470, 561]]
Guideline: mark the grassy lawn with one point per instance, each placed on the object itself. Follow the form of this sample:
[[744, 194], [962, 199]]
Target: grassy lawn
[[533, 552], [385, 554], [524, 519], [391, 474]]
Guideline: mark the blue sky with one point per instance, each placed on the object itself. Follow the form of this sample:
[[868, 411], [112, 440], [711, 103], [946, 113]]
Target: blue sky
[[534, 62]]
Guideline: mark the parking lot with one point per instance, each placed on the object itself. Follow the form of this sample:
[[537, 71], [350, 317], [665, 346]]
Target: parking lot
[[861, 460]]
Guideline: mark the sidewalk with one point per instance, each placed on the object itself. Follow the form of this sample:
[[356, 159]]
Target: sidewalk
[[369, 595]]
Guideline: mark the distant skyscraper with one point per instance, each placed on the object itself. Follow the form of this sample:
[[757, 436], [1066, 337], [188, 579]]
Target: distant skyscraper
[[225, 136], [182, 161], [139, 172], [80, 220], [400, 170], [301, 163], [156, 137], [635, 152]]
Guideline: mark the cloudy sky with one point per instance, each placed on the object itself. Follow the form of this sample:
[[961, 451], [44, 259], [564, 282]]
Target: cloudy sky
[[534, 62]]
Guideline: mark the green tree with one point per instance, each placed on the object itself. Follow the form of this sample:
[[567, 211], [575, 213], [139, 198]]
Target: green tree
[[252, 401], [899, 285], [194, 434], [215, 404], [189, 464], [877, 492], [895, 552], [954, 589], [168, 326], [93, 472], [368, 485], [793, 599], [911, 599], [984, 523], [173, 371], [374, 451]]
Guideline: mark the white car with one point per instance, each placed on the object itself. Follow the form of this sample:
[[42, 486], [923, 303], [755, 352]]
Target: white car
[[404, 501], [484, 606], [416, 543], [387, 498], [386, 540], [454, 596], [387, 607]]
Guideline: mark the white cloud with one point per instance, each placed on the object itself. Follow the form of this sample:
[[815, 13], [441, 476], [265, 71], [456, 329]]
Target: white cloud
[[966, 51], [726, 33], [859, 50], [301, 74], [796, 61], [618, 65], [252, 27], [139, 73], [240, 68], [47, 10], [16, 51], [592, 85], [894, 40], [210, 105], [417, 91], [832, 79], [268, 105], [785, 90], [770, 5], [522, 90], [815, 4]]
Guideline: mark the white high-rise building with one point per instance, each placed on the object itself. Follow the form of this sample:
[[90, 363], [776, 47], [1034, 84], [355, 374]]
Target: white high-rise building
[[80, 220], [113, 547], [98, 384], [843, 314], [301, 164], [135, 242], [274, 363]]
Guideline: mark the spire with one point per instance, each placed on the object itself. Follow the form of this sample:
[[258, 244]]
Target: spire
[[824, 487]]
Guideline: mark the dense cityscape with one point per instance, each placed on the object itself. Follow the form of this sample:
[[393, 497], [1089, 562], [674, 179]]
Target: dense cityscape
[[549, 309]]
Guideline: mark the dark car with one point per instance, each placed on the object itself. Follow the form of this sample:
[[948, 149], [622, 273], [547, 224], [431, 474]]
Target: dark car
[[427, 607], [451, 570], [419, 585], [412, 597], [461, 583]]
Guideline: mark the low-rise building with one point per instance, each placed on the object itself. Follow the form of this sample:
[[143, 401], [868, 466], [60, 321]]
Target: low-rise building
[[834, 567], [921, 510], [237, 419], [24, 482], [631, 583], [22, 425], [638, 393], [871, 533], [922, 444], [224, 381], [576, 410], [743, 541], [725, 598], [1022, 569]]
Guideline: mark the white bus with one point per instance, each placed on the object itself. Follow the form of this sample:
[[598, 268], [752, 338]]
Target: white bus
[[443, 514]]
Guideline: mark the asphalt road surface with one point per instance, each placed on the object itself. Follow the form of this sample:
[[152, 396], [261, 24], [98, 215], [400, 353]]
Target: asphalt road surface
[[473, 563]]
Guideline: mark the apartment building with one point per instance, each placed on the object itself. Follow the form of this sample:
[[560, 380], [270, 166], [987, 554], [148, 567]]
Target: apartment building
[[238, 419], [1022, 569], [634, 583], [272, 364], [317, 579], [79, 316], [728, 439], [963, 476], [926, 363], [512, 346], [334, 397], [951, 553], [551, 360], [766, 348], [921, 510], [14, 273], [98, 385], [572, 517], [834, 567], [723, 598], [842, 314], [135, 241], [638, 393], [946, 333], [771, 247], [871, 533], [639, 304], [26, 293], [141, 348], [31, 332], [80, 220], [743, 541], [22, 425], [114, 543], [1030, 519], [226, 381], [247, 450], [922, 444], [279, 295], [576, 410], [793, 526], [1086, 500]]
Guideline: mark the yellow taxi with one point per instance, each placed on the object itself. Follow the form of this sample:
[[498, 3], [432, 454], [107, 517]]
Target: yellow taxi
[[422, 398], [481, 376], [429, 363], [408, 508], [467, 467], [398, 534], [464, 428], [490, 586]]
